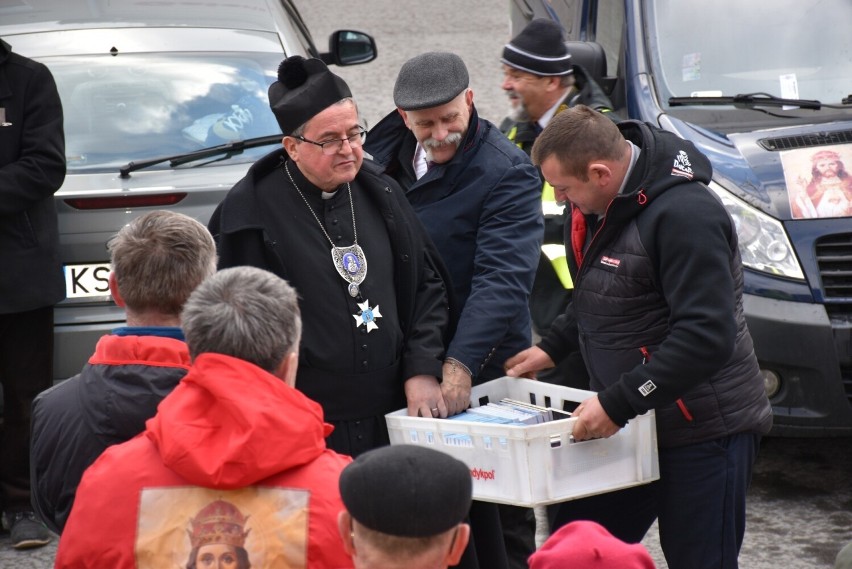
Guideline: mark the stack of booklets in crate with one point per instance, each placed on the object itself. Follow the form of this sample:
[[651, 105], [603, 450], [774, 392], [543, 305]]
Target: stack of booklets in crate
[[510, 412]]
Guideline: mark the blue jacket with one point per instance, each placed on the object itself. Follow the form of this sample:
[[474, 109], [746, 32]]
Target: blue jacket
[[483, 212]]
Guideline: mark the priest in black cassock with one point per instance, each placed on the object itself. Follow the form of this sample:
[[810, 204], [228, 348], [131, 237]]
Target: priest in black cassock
[[373, 294]]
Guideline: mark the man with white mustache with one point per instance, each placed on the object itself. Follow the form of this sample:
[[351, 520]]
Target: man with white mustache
[[478, 195]]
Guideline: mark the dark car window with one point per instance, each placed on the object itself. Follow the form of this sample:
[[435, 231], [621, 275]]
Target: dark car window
[[144, 105]]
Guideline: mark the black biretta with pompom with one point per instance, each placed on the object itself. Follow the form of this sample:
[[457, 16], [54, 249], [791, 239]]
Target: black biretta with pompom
[[407, 490], [539, 49], [305, 88]]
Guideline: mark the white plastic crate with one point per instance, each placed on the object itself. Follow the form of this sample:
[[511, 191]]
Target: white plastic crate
[[531, 465]]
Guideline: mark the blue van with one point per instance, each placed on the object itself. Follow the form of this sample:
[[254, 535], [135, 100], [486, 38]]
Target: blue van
[[764, 89]]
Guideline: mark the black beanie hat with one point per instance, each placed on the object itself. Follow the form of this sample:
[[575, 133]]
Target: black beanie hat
[[407, 490], [305, 88], [539, 49]]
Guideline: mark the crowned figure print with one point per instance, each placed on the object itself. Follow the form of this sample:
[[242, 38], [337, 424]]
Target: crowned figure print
[[201, 528], [217, 536]]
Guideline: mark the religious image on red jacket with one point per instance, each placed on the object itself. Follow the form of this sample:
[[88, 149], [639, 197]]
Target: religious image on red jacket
[[199, 528], [818, 181]]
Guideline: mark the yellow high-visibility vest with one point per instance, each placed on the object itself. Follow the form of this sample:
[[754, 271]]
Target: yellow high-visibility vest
[[555, 253]]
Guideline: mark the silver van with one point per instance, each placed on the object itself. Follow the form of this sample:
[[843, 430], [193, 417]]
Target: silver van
[[165, 108]]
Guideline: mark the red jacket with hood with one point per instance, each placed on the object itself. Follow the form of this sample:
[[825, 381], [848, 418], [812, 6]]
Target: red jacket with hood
[[234, 457]]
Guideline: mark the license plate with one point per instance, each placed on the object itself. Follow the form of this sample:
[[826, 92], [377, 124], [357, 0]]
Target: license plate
[[86, 281]]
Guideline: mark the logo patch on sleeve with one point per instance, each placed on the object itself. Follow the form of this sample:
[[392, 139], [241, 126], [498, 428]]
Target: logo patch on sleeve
[[647, 388]]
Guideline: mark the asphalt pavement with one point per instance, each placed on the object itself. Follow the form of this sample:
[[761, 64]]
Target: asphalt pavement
[[800, 505], [474, 29], [799, 508]]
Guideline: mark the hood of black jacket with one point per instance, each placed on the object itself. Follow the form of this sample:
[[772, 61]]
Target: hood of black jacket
[[665, 162]]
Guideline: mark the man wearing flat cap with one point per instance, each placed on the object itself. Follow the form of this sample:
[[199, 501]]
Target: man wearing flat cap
[[541, 79], [370, 284], [405, 508], [477, 194], [479, 197]]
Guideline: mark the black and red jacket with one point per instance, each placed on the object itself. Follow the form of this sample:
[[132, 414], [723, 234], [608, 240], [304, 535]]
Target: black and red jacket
[[107, 403], [657, 305]]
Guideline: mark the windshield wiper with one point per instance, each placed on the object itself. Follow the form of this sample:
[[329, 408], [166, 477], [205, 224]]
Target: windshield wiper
[[226, 150], [751, 101]]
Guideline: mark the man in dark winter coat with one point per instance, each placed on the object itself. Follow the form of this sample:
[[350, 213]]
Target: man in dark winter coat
[[479, 197], [541, 80], [157, 261], [479, 202], [657, 315], [315, 213], [32, 168]]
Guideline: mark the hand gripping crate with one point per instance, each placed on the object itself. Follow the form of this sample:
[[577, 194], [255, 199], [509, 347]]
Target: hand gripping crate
[[531, 465]]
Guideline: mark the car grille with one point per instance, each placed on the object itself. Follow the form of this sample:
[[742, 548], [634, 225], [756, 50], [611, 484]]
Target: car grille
[[834, 258], [806, 140], [846, 377], [840, 316]]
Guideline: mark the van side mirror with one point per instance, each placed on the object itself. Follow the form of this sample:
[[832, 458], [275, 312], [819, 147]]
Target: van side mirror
[[349, 47]]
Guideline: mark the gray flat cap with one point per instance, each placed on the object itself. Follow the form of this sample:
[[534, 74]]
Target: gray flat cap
[[430, 80]]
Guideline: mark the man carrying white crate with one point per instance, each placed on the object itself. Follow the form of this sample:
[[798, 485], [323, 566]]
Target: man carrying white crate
[[657, 315]]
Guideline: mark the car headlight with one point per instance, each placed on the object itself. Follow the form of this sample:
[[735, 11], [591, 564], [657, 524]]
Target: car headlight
[[763, 243]]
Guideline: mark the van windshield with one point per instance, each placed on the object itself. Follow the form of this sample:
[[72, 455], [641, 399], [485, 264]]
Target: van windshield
[[794, 49], [145, 105]]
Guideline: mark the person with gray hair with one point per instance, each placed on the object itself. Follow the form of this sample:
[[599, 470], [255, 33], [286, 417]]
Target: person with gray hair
[[260, 324], [157, 261], [479, 196], [234, 440]]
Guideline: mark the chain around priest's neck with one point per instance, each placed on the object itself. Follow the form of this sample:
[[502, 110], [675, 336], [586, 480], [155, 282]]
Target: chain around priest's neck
[[350, 262]]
